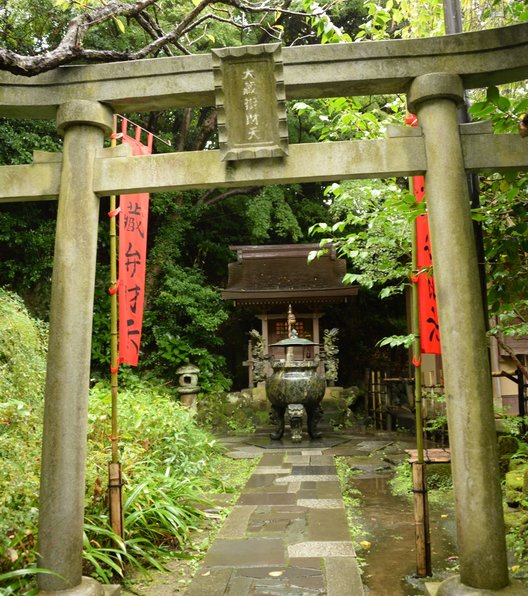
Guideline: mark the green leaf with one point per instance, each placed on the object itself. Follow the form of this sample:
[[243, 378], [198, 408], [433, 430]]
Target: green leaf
[[119, 24], [492, 94]]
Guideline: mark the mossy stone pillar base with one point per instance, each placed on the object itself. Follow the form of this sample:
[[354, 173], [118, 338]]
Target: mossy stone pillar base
[[84, 125], [478, 502], [453, 587], [87, 587]]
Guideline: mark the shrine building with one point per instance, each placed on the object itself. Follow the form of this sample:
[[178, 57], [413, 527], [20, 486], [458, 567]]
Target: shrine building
[[269, 279]]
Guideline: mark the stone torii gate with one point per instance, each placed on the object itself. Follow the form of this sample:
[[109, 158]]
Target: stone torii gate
[[433, 73]]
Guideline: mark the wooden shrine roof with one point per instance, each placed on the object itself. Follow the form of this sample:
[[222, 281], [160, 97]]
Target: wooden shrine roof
[[281, 273]]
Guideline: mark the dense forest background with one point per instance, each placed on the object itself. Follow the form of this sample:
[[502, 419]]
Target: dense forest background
[[190, 232]]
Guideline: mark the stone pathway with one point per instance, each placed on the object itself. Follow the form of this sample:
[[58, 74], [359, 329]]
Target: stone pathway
[[287, 534]]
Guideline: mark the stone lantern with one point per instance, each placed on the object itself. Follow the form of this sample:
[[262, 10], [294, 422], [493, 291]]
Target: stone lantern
[[188, 383]]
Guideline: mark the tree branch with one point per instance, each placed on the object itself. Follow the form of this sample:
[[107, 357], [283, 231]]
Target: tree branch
[[512, 355], [209, 198], [71, 47]]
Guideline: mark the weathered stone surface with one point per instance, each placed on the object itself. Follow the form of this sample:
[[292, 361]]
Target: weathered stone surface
[[313, 470], [212, 582], [321, 549], [480, 527], [321, 503], [301, 478], [271, 470], [236, 524], [481, 58], [327, 524], [281, 498], [246, 553], [343, 577]]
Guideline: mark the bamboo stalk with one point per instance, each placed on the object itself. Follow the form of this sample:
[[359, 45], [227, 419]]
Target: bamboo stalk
[[114, 469]]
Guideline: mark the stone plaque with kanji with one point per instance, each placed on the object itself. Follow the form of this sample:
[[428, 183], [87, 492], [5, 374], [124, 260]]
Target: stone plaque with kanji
[[251, 102]]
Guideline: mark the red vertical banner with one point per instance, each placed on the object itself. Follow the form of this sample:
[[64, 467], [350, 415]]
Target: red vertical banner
[[133, 224], [428, 313]]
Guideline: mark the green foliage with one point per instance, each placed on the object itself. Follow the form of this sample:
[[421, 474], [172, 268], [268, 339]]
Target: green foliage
[[323, 25], [374, 234], [22, 357], [27, 230], [397, 340], [502, 214], [28, 25], [231, 413], [22, 373], [344, 118], [168, 463], [402, 18], [270, 210], [439, 482]]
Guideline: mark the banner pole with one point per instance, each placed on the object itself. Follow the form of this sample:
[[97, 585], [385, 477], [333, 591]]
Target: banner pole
[[114, 468], [421, 508]]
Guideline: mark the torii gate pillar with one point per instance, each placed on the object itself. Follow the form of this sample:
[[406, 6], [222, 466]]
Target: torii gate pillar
[[84, 125], [480, 527]]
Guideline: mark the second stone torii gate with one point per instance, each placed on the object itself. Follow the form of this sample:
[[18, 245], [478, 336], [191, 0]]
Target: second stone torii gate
[[434, 73]]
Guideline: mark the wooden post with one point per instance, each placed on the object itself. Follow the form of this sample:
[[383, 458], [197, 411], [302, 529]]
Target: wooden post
[[115, 499], [421, 520]]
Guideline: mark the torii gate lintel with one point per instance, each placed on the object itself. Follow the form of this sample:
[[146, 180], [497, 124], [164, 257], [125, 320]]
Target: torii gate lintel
[[401, 154]]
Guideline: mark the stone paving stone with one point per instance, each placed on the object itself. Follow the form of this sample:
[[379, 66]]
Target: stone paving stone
[[302, 460], [312, 582], [243, 454], [213, 582], [296, 531], [328, 524], [267, 589], [322, 460], [251, 552], [239, 586], [343, 577], [329, 490], [294, 487], [321, 503], [307, 562], [301, 478], [271, 459], [270, 498], [278, 512], [308, 485], [271, 470], [235, 525], [307, 494], [312, 452], [372, 445], [269, 527], [290, 509], [261, 481], [321, 549], [313, 470]]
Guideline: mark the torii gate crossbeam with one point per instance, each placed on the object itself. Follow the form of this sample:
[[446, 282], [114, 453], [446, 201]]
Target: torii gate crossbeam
[[434, 73]]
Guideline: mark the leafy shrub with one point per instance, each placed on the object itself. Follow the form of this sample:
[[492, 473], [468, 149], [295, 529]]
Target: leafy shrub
[[168, 463], [22, 373]]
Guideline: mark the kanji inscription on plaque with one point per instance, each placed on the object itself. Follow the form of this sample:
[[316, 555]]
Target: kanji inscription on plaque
[[251, 102]]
